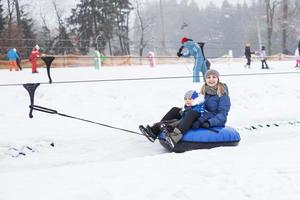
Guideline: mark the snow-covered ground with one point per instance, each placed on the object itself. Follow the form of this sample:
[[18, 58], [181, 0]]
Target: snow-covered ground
[[92, 162]]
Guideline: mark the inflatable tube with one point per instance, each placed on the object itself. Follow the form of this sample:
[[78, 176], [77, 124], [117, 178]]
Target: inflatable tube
[[204, 139]]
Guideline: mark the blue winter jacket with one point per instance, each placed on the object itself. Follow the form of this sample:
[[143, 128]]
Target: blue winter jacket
[[218, 107], [12, 55], [197, 108], [193, 49]]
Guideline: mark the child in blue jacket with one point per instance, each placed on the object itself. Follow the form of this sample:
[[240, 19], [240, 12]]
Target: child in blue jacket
[[178, 120]]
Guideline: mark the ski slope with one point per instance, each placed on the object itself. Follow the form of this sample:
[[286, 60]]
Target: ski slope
[[94, 162]]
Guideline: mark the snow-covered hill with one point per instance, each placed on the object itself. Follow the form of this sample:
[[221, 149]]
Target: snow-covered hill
[[95, 162]]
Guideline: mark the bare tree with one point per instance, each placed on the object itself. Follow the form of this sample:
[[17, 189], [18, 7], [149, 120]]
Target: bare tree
[[162, 20], [18, 13], [270, 11], [10, 11], [144, 25], [284, 24]]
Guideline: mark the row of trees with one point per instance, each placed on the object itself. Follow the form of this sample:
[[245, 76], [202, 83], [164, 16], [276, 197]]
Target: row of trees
[[93, 23], [123, 27], [272, 23]]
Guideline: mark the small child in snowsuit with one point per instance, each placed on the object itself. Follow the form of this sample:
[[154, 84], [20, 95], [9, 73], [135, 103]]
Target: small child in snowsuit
[[263, 58], [33, 58], [12, 57], [178, 120]]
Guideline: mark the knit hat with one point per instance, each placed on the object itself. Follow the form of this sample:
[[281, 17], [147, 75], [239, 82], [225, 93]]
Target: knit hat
[[37, 47], [191, 94], [212, 72]]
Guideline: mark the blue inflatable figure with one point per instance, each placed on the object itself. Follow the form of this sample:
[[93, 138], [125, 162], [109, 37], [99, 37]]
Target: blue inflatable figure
[[191, 48]]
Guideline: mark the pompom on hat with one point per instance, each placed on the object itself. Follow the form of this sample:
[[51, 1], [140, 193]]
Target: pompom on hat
[[212, 72], [191, 94], [183, 40]]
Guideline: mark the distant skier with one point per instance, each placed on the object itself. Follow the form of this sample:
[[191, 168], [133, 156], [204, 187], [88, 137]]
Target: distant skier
[[263, 58], [33, 57], [191, 48], [12, 57], [248, 53]]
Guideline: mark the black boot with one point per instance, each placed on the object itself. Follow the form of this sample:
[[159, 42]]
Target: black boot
[[148, 133], [172, 136]]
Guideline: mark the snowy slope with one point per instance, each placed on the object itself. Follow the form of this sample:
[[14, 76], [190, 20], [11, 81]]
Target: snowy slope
[[95, 162]]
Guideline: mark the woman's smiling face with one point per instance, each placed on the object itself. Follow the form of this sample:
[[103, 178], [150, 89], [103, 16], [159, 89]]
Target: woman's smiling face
[[212, 80]]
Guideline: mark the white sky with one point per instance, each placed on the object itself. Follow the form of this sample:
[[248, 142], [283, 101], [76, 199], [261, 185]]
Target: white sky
[[91, 162]]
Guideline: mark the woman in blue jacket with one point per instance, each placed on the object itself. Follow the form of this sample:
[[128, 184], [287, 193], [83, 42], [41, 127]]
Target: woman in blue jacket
[[216, 101], [191, 48]]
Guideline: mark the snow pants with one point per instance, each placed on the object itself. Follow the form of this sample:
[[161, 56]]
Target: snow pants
[[33, 66], [200, 65], [174, 119], [13, 65]]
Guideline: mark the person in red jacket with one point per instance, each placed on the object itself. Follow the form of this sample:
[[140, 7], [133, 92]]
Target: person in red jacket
[[33, 57]]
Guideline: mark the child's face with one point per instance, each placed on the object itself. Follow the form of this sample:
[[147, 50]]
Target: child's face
[[188, 101], [212, 80]]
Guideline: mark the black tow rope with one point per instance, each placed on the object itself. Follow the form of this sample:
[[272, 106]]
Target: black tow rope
[[51, 111], [31, 87]]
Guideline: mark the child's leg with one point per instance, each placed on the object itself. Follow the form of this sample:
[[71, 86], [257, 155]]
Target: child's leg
[[174, 113], [187, 121], [14, 63], [10, 65], [248, 61], [33, 67]]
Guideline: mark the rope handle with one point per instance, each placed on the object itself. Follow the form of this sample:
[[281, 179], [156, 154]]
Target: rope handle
[[43, 109]]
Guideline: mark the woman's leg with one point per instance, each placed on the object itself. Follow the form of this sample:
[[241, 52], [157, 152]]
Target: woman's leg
[[173, 113], [187, 121]]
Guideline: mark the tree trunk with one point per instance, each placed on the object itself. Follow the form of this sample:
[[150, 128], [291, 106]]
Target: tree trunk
[[270, 11], [284, 25], [18, 13], [163, 39]]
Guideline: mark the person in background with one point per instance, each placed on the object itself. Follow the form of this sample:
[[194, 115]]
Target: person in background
[[151, 59], [297, 56], [263, 58], [177, 121], [12, 57], [33, 57], [18, 60], [191, 48], [248, 53]]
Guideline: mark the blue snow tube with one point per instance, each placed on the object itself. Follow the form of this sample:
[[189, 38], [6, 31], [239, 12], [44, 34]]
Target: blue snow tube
[[204, 139]]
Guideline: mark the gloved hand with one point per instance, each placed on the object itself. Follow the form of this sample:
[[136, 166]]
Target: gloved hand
[[205, 125], [179, 54]]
